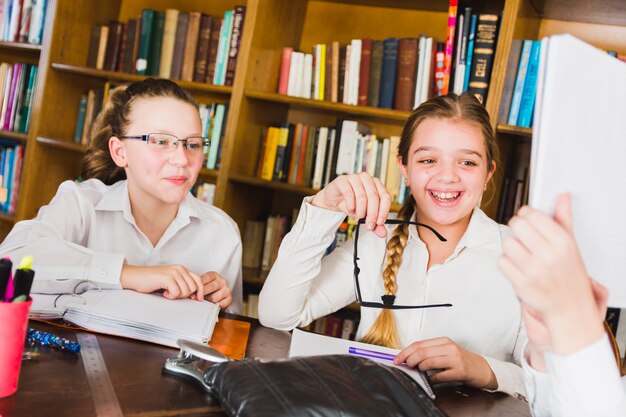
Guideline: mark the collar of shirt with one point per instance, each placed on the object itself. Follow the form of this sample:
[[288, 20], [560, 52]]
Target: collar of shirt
[[482, 233], [116, 199]]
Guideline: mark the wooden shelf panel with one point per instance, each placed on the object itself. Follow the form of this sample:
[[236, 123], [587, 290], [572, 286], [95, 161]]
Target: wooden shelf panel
[[515, 130], [605, 12], [7, 218], [61, 144], [274, 185], [20, 46], [123, 76], [19, 137], [209, 173], [435, 6], [371, 112]]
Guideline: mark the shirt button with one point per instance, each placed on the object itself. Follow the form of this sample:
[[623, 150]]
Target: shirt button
[[102, 274]]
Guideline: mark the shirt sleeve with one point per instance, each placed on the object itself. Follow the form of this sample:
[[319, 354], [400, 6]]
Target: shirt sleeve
[[538, 389], [54, 239], [301, 285], [587, 383]]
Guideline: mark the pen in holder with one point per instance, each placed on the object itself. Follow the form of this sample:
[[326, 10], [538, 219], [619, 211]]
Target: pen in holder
[[14, 319]]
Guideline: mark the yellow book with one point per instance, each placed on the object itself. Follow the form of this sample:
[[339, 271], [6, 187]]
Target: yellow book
[[269, 159]]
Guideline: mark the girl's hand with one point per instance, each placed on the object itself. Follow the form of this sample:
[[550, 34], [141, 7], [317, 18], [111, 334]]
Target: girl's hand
[[454, 363], [176, 281], [216, 289], [359, 196]]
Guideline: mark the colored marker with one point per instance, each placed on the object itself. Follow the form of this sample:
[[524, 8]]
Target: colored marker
[[5, 279], [23, 279], [371, 353]]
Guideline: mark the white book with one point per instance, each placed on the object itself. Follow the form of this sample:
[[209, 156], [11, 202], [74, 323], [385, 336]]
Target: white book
[[6, 93], [307, 75], [301, 88], [293, 75], [578, 147], [345, 160], [459, 72], [384, 161], [372, 149], [317, 52], [318, 172], [36, 21], [419, 81], [426, 72], [346, 76], [148, 317], [355, 67], [311, 344]]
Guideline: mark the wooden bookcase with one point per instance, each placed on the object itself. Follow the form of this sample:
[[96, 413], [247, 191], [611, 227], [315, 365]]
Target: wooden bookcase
[[51, 156]]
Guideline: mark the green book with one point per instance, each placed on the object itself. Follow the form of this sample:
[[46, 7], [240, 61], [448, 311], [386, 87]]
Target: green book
[[28, 99], [145, 40], [154, 57]]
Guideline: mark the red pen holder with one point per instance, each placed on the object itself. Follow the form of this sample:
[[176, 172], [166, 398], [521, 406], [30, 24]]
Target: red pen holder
[[14, 319]]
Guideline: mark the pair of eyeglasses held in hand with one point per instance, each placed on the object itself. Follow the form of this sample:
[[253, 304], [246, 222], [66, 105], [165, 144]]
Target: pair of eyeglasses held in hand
[[388, 300]]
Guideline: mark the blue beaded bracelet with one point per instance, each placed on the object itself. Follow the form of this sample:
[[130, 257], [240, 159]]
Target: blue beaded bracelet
[[47, 339]]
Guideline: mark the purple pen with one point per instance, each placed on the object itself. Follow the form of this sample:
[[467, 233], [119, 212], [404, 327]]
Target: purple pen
[[371, 354]]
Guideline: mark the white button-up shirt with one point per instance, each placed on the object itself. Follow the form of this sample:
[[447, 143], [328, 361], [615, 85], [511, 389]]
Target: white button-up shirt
[[584, 384], [485, 317], [88, 231]]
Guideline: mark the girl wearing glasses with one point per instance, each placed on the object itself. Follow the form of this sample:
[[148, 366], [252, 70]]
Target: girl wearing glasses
[[133, 223], [447, 155], [569, 364]]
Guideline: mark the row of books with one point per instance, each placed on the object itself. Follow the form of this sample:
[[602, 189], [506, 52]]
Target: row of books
[[311, 156], [11, 156], [394, 73], [514, 192], [22, 20], [261, 241], [173, 44], [212, 116], [17, 83]]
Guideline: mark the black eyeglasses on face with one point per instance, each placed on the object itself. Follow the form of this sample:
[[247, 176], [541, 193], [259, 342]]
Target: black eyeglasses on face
[[388, 300]]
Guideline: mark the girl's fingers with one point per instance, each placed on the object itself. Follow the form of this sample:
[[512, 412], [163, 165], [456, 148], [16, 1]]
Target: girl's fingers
[[360, 196]]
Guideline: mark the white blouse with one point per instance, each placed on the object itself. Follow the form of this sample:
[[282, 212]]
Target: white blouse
[[88, 231], [485, 317], [584, 384]]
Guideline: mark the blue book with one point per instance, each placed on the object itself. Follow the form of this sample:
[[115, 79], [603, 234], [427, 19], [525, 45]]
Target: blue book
[[80, 119], [527, 103], [216, 132], [522, 68], [222, 48], [8, 174], [470, 52], [388, 73]]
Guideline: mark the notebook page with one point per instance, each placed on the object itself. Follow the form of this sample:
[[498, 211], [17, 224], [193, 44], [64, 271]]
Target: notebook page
[[313, 344], [580, 141], [149, 317]]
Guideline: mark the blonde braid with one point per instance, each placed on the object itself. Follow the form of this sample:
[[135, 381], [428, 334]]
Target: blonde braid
[[384, 331]]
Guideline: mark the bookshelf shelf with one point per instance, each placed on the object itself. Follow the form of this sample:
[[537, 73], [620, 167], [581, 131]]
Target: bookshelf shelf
[[61, 144], [370, 112], [244, 179], [123, 76], [20, 46], [515, 130], [435, 6], [7, 218], [19, 137]]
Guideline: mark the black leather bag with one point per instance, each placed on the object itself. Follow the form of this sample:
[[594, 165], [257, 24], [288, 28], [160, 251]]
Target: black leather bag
[[320, 386]]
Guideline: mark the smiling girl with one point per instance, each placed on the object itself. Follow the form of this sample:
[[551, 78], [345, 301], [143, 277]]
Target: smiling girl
[[447, 155], [133, 223]]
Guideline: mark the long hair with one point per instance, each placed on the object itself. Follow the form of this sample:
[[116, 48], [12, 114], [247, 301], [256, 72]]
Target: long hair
[[113, 120], [462, 108]]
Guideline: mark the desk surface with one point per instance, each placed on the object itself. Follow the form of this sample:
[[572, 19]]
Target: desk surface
[[55, 383]]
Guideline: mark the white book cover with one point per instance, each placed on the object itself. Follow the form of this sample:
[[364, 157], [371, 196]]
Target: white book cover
[[419, 81], [294, 77], [307, 75], [312, 344], [317, 63], [355, 67], [579, 147], [346, 147], [320, 155], [384, 161]]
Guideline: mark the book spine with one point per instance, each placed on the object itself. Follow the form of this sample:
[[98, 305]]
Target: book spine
[[281, 154], [222, 49], [25, 21], [364, 71], [341, 72], [388, 73], [482, 59], [145, 40], [522, 68], [167, 45], [470, 51], [113, 43], [213, 47], [154, 60], [449, 46], [179, 45], [104, 35], [509, 80], [94, 43], [37, 21], [527, 103], [28, 99], [216, 134], [285, 64], [376, 66], [80, 119], [328, 73], [191, 44], [405, 78], [119, 64], [235, 41]]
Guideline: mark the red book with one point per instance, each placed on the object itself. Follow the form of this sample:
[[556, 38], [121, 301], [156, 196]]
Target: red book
[[364, 71], [449, 51], [285, 64]]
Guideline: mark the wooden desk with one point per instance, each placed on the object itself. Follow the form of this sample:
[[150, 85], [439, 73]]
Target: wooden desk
[[55, 384]]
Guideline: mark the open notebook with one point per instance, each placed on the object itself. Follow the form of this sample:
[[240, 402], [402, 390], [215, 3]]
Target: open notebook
[[148, 317], [579, 146], [313, 344]]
